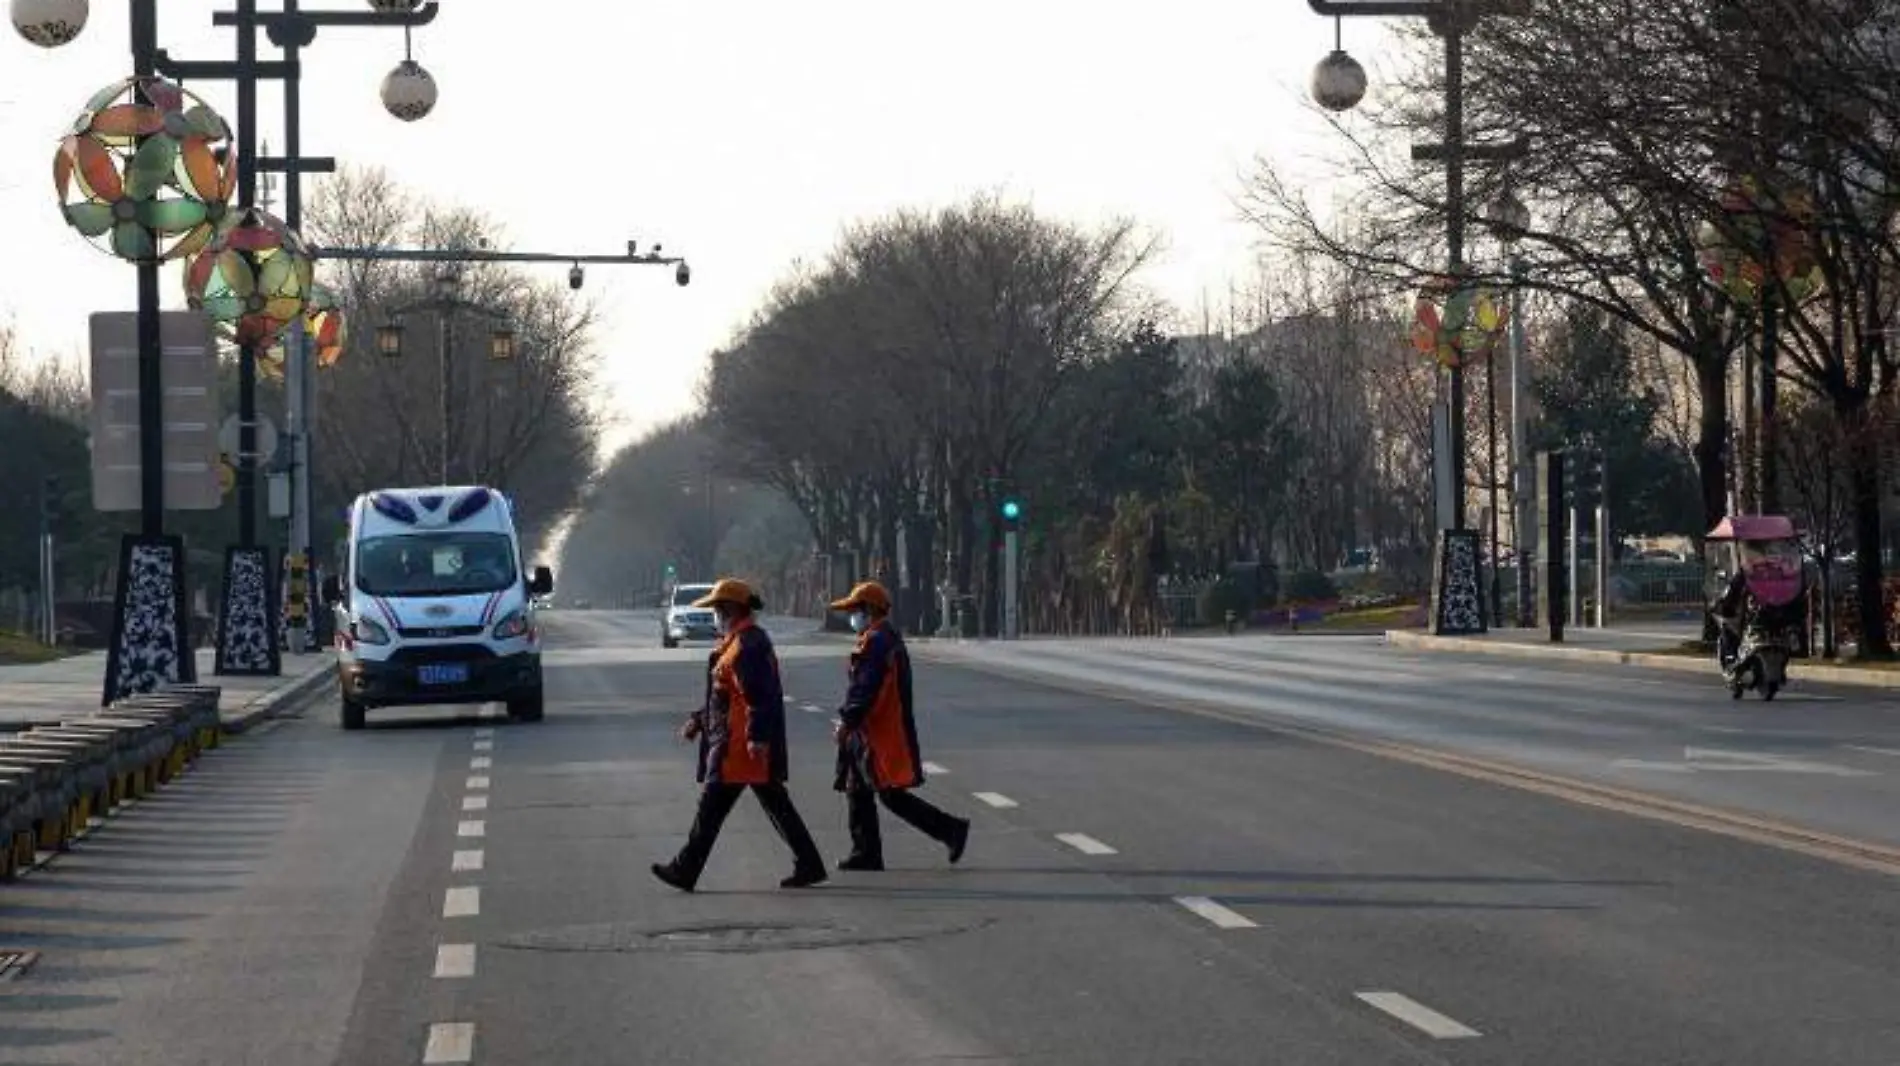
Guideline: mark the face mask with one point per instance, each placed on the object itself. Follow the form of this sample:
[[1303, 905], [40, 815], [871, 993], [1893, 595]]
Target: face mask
[[722, 624], [858, 621]]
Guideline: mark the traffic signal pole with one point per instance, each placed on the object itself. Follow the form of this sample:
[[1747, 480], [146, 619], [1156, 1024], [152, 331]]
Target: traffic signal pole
[[1012, 546]]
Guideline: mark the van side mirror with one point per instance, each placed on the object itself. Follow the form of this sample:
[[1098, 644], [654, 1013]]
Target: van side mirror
[[331, 591], [542, 583]]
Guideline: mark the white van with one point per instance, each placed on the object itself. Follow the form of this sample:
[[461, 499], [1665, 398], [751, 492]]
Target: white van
[[432, 606]]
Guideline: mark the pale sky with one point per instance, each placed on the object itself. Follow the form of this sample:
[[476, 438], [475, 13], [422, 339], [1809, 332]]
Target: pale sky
[[741, 134]]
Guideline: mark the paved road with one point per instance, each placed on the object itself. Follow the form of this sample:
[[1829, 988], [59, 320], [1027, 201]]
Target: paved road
[[1827, 758], [1145, 887]]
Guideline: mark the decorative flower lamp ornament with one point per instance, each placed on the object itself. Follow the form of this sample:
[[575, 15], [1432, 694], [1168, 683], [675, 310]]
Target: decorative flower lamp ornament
[[1761, 231], [138, 175], [1457, 324], [323, 325], [253, 279]]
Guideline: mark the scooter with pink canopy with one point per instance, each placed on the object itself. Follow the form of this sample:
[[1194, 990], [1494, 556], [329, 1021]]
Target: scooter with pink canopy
[[1757, 562]]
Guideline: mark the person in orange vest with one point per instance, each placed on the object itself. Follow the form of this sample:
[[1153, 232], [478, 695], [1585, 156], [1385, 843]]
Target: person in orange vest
[[878, 756], [741, 733]]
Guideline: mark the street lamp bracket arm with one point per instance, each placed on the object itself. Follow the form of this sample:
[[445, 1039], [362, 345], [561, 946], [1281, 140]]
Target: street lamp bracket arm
[[436, 255], [296, 22], [196, 70]]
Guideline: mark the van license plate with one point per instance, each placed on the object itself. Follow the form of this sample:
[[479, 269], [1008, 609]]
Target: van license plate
[[442, 674]]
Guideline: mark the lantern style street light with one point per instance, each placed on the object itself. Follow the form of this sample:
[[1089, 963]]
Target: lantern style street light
[[1339, 85], [445, 301]]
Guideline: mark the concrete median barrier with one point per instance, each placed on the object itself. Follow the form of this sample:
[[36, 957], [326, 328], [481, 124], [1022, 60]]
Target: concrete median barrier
[[61, 772]]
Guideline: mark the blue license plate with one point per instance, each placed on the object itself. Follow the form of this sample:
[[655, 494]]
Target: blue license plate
[[442, 674]]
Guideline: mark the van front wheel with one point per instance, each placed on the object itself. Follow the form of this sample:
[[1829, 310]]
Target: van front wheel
[[526, 708]]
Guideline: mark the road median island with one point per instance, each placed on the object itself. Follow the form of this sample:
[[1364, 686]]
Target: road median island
[[63, 774], [1659, 657]]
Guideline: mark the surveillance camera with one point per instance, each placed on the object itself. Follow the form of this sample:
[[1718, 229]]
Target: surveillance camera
[[683, 275], [575, 276]]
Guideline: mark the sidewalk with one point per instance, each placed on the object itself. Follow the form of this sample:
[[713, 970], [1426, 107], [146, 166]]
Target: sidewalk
[[47, 692], [1654, 645]]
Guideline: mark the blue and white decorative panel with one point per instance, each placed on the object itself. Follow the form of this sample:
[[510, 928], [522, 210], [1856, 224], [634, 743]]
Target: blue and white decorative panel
[[151, 644], [1457, 585], [247, 629]]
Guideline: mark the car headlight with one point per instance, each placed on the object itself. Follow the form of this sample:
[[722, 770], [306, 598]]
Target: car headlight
[[513, 624], [369, 631]]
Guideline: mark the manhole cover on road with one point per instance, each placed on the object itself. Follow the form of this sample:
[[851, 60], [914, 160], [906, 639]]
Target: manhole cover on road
[[14, 963], [729, 937]]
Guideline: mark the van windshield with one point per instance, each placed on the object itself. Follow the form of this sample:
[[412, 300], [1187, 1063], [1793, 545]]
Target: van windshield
[[435, 564]]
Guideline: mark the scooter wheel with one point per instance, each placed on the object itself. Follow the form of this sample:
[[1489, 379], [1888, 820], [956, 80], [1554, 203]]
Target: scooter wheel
[[1735, 692]]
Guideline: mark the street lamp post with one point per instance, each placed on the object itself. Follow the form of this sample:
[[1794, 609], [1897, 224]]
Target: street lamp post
[[1338, 85], [445, 301], [292, 29], [1511, 219]]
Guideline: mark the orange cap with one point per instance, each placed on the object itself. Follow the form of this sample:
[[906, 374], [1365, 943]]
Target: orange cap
[[865, 594], [728, 590]]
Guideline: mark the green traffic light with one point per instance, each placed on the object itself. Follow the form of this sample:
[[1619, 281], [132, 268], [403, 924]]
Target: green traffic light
[[1012, 510]]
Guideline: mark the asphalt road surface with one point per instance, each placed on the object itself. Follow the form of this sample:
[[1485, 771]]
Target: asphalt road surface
[[1156, 877]]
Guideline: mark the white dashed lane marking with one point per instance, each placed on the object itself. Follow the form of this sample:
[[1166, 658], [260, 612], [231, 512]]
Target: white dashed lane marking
[[485, 732], [474, 803], [480, 762], [463, 901], [449, 1042], [1085, 844], [1417, 1015], [454, 961], [472, 829], [484, 745], [466, 861], [812, 708], [995, 799], [476, 783], [1221, 916], [935, 768]]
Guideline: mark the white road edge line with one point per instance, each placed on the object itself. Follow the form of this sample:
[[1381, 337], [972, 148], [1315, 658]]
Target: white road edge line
[[454, 961], [480, 762], [1085, 844], [1895, 753], [449, 1042], [1220, 916], [466, 861], [1417, 1015], [476, 782], [474, 803], [462, 901], [995, 799], [472, 828], [935, 768]]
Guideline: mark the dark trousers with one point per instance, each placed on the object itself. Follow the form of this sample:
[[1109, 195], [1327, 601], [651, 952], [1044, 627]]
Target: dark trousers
[[716, 802], [867, 841]]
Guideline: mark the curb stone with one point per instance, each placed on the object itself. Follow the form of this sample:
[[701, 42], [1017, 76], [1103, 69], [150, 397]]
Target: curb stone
[[1797, 671], [271, 704]]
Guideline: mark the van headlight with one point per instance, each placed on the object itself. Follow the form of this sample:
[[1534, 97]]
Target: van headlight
[[513, 624], [369, 631]]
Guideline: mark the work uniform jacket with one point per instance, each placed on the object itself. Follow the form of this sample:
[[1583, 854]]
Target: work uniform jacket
[[879, 748], [744, 704]]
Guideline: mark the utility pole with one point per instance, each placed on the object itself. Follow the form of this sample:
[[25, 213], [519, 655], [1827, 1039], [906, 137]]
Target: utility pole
[[49, 573]]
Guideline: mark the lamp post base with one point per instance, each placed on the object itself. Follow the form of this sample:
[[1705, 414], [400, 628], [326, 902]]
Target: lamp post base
[[247, 637], [1457, 585], [151, 623]]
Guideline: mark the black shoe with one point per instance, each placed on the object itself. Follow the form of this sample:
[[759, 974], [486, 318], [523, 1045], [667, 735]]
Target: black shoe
[[806, 878], [960, 841], [860, 863], [673, 875]]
